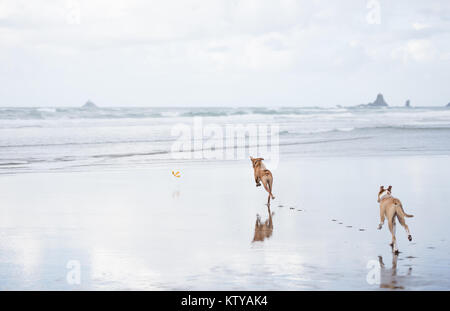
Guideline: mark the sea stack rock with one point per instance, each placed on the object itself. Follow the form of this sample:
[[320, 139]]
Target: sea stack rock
[[379, 102], [408, 104], [89, 105]]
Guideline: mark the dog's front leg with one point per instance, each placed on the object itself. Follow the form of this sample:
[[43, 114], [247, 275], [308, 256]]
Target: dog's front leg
[[257, 180], [381, 218]]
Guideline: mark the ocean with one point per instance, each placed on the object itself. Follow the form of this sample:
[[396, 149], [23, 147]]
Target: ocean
[[74, 139]]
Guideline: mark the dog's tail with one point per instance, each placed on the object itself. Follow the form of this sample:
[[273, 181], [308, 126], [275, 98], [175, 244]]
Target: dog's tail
[[399, 204]]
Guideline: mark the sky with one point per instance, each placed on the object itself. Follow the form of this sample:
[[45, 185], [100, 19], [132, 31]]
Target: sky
[[224, 52]]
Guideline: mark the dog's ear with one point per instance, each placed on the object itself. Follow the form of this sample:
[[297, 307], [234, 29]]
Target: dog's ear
[[381, 188], [262, 159], [389, 188]]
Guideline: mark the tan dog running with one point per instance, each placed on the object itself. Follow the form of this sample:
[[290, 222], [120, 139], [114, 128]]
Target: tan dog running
[[262, 174], [391, 207]]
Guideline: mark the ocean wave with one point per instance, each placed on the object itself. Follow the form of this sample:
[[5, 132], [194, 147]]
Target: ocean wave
[[124, 155], [290, 132], [44, 113], [224, 148], [131, 141], [48, 110], [15, 162], [138, 113], [293, 132], [75, 113], [416, 127], [204, 114]]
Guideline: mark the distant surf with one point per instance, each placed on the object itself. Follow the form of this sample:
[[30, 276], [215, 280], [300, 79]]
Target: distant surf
[[49, 113], [51, 138]]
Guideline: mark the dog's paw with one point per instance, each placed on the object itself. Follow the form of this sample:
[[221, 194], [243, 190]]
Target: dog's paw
[[380, 226], [258, 185], [410, 237]]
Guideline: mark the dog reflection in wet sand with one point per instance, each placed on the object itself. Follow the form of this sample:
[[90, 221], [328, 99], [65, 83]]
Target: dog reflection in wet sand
[[389, 277], [392, 208], [263, 230]]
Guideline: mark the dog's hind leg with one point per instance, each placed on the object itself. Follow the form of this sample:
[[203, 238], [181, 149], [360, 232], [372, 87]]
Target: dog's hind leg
[[392, 229], [401, 220], [266, 186], [269, 184]]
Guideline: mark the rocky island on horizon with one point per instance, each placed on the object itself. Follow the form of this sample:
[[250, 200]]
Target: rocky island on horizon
[[379, 102], [89, 105]]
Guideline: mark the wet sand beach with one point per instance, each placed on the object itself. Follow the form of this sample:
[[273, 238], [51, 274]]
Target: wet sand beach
[[145, 229]]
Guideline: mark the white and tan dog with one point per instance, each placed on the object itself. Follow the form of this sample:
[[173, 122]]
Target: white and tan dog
[[390, 208], [262, 174]]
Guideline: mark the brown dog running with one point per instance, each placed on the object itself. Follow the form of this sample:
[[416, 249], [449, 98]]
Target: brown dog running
[[262, 174], [391, 207]]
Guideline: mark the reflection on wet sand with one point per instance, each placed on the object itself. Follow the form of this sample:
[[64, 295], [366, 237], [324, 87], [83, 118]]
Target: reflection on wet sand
[[176, 194], [263, 230], [389, 278]]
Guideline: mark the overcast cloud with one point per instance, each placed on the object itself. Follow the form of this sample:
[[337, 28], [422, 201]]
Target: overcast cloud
[[224, 53]]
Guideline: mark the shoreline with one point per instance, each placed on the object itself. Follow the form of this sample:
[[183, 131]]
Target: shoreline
[[145, 229], [288, 158]]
